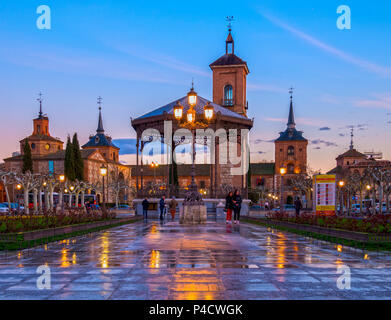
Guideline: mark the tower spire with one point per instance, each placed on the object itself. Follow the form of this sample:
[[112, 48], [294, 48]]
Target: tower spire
[[100, 121], [229, 43], [40, 114], [351, 138], [291, 120]]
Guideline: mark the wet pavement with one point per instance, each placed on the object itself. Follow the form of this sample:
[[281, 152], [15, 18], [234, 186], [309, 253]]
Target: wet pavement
[[215, 261]]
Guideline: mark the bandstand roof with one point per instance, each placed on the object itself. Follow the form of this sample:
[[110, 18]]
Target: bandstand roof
[[199, 108]]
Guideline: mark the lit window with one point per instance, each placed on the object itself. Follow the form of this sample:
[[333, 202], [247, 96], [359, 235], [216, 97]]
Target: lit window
[[228, 95], [291, 151]]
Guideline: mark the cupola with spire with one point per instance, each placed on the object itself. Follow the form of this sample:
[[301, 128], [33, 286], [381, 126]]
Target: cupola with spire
[[41, 142], [291, 146], [101, 141]]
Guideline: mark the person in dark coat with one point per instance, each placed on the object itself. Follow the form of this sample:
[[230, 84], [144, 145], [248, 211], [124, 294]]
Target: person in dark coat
[[298, 206], [145, 204], [237, 202], [229, 205], [162, 206]]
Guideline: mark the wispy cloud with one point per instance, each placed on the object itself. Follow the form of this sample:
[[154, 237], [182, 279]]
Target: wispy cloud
[[324, 142], [379, 101], [162, 60], [300, 121], [364, 64]]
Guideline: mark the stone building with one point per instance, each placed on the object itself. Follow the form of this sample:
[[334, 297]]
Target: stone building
[[48, 155], [355, 161]]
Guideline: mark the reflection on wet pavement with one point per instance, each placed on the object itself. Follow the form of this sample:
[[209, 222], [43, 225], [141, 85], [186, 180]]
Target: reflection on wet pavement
[[215, 261]]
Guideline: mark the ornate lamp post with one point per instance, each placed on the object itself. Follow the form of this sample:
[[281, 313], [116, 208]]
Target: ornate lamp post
[[61, 196], [192, 123], [341, 184], [282, 173], [18, 187], [154, 165], [103, 173]]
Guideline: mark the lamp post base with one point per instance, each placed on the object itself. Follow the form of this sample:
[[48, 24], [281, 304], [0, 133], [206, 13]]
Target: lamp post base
[[193, 214]]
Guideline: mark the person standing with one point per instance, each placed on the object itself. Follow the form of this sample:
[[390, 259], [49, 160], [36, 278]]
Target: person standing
[[162, 206], [298, 206], [173, 204], [229, 205], [237, 201], [145, 205]]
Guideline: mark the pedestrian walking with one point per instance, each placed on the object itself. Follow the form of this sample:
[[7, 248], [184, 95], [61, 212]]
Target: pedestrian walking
[[162, 206], [298, 206], [145, 205], [229, 205], [237, 201], [173, 204]]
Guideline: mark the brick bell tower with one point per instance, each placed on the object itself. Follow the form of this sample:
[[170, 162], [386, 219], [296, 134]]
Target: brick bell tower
[[229, 79], [291, 147], [41, 142]]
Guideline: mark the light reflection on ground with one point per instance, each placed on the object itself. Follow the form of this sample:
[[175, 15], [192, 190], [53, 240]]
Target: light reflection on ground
[[216, 261]]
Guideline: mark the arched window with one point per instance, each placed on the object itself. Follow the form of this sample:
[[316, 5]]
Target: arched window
[[228, 95], [291, 168], [291, 151]]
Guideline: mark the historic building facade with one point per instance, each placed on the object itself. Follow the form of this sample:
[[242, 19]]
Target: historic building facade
[[355, 161], [48, 155]]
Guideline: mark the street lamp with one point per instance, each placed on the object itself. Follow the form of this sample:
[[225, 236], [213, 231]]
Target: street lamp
[[192, 97], [154, 165], [103, 173], [341, 184], [190, 122], [62, 180], [282, 173]]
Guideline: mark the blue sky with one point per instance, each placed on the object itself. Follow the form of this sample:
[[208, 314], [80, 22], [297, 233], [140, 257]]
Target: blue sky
[[139, 55]]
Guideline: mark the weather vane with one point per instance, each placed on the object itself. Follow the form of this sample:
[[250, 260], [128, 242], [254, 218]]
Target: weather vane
[[40, 104], [229, 19], [291, 91], [100, 102]]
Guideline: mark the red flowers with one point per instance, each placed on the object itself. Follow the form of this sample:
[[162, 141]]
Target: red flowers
[[374, 224]]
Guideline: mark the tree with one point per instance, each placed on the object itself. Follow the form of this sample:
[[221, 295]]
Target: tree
[[29, 182], [69, 162], [117, 184], [78, 161], [27, 158], [7, 178]]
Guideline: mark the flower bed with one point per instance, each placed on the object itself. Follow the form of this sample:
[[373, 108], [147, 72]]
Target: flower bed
[[24, 223], [378, 224]]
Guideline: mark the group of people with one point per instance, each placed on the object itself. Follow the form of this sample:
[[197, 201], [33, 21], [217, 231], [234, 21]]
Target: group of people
[[172, 205], [233, 202]]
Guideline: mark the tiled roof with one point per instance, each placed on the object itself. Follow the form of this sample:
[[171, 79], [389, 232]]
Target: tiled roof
[[291, 134], [201, 102], [352, 153], [59, 155], [228, 60], [38, 137], [100, 140], [262, 168]]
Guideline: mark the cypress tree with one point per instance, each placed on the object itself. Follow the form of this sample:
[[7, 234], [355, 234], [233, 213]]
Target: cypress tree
[[79, 165], [69, 163], [27, 158]]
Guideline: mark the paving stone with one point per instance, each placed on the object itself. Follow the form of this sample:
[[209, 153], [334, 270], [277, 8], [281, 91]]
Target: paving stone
[[171, 261]]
